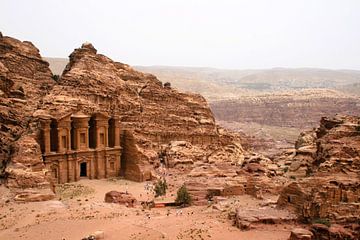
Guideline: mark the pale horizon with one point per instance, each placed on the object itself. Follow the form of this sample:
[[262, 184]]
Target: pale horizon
[[258, 34]]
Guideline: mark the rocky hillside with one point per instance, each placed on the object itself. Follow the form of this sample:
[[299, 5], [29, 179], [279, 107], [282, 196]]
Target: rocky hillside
[[152, 115], [275, 104], [334, 147], [326, 173], [25, 78]]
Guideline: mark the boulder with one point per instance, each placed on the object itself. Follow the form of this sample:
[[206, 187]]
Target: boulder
[[301, 234], [120, 198], [34, 195]]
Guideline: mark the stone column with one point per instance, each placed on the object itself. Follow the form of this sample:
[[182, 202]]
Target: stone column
[[106, 135], [106, 165], [87, 135], [117, 132], [97, 137], [45, 124], [68, 130], [76, 169], [60, 147]]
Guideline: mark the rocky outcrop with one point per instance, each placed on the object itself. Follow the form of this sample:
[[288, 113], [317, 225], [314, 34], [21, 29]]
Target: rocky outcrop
[[301, 234], [325, 172], [24, 79], [266, 215], [120, 198], [26, 168], [152, 116], [327, 197], [335, 232], [334, 147]]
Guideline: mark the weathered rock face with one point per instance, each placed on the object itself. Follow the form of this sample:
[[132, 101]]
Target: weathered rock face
[[24, 79], [334, 197], [26, 167], [151, 115], [332, 148], [265, 215], [300, 234], [327, 172], [335, 232], [300, 109]]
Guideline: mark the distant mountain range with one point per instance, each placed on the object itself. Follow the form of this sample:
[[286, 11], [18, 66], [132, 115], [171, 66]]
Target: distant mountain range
[[219, 84]]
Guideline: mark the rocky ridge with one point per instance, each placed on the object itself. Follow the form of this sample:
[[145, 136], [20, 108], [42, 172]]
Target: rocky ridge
[[25, 80], [325, 174], [151, 115]]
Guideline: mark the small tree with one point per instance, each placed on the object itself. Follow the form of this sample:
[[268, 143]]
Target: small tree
[[167, 85], [160, 188], [55, 77], [323, 221], [183, 197], [358, 128]]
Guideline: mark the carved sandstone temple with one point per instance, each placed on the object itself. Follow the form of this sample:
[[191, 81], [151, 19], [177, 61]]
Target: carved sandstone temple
[[78, 146]]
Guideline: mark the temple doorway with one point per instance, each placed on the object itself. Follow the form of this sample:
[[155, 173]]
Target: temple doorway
[[83, 169]]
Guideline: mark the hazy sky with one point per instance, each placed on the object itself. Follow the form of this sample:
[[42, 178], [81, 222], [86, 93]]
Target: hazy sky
[[222, 33]]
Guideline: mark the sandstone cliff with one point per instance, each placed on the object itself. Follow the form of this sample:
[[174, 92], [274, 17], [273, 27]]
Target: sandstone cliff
[[326, 172], [24, 79], [152, 115], [334, 147], [297, 109]]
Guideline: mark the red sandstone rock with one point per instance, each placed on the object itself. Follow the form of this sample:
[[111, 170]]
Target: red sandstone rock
[[334, 147], [301, 234], [335, 232], [34, 195], [151, 116], [329, 187], [120, 198], [25, 78], [266, 215]]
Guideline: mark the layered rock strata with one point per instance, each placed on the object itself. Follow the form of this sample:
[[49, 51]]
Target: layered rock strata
[[25, 78], [151, 116], [325, 172]]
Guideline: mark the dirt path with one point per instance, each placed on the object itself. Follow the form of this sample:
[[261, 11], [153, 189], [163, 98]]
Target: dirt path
[[84, 214]]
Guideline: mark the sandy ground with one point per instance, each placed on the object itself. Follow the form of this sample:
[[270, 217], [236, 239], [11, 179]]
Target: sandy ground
[[78, 216]]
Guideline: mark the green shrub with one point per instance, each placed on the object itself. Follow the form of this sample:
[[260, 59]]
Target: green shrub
[[160, 188], [358, 128], [183, 197], [324, 221], [55, 77]]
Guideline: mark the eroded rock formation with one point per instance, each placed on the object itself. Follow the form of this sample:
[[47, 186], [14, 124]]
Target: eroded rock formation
[[325, 172], [120, 198], [334, 147], [24, 80], [151, 115]]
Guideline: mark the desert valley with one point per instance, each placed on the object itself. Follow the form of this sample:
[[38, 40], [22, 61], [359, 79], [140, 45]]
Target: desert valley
[[94, 149], [180, 120]]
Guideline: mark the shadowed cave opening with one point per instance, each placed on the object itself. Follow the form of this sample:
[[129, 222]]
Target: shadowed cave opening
[[92, 133], [54, 136], [111, 132], [83, 169]]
